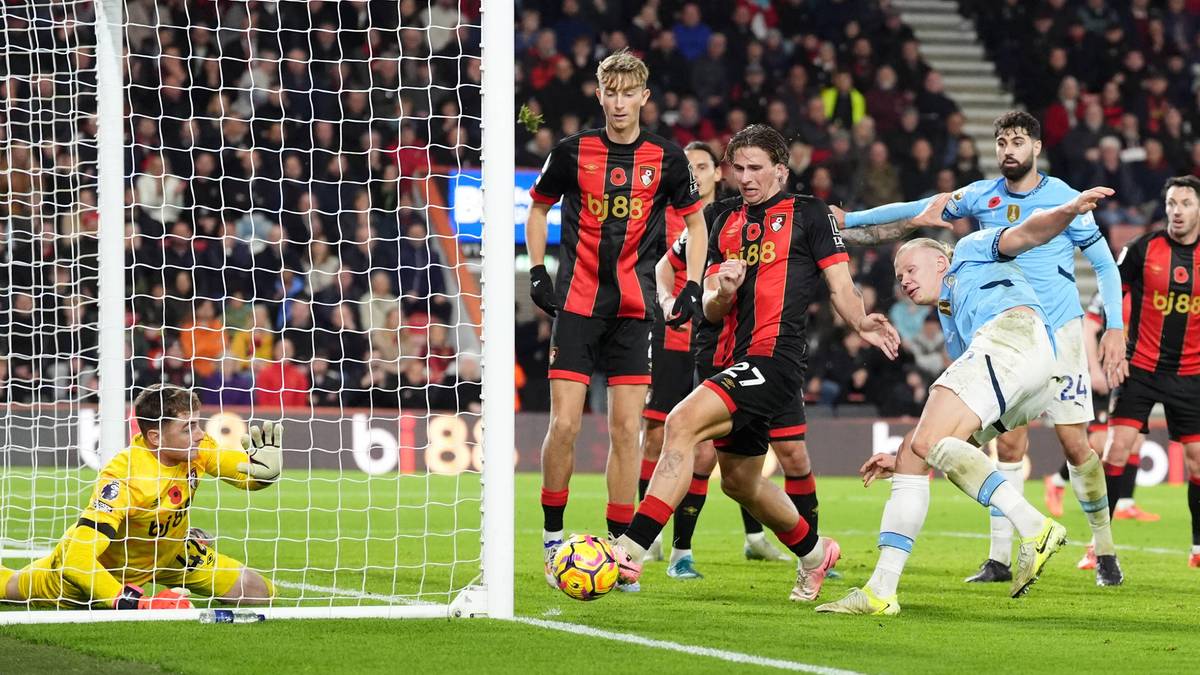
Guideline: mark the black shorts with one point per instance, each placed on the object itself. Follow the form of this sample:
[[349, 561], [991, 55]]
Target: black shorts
[[1100, 403], [1179, 394], [670, 380], [581, 345], [763, 397]]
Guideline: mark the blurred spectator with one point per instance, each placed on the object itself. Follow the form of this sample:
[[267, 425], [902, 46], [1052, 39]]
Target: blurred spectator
[[280, 383], [844, 105], [258, 342], [378, 301], [1151, 174], [906, 316], [422, 280], [202, 339], [691, 33], [928, 348], [932, 103], [920, 175], [229, 385], [885, 102], [907, 397], [878, 181], [1112, 172]]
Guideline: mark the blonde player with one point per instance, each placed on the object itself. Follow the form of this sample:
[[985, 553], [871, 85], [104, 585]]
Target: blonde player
[[135, 530]]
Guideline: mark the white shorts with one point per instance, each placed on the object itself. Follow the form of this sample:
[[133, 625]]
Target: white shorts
[[1071, 391], [1004, 376]]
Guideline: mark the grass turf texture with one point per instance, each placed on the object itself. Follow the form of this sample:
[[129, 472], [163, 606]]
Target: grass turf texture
[[1065, 624]]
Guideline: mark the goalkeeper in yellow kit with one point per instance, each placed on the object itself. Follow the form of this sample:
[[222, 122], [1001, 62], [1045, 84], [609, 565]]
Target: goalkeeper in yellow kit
[[134, 529]]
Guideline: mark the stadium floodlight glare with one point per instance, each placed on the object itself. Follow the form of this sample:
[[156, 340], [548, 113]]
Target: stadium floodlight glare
[[135, 135]]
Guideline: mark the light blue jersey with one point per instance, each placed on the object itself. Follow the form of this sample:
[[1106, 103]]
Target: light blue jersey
[[1050, 268], [980, 285]]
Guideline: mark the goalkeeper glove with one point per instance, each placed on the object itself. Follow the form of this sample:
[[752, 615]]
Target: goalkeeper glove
[[265, 447], [687, 305], [132, 597], [541, 289]]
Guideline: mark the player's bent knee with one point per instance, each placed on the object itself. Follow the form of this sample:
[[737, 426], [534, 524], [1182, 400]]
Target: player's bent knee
[[251, 588], [564, 428], [793, 457], [738, 488]]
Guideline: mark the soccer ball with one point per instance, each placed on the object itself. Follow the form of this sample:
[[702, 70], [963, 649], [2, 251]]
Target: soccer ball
[[585, 567]]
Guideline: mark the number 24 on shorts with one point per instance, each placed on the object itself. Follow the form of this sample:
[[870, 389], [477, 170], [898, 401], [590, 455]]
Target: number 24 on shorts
[[1080, 389], [739, 371]]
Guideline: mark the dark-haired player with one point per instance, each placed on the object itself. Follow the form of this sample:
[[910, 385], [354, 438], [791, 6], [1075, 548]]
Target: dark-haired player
[[766, 251], [616, 184], [1161, 274], [1004, 203]]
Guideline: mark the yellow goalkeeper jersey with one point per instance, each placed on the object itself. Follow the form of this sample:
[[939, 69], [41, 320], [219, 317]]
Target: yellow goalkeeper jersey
[[142, 505]]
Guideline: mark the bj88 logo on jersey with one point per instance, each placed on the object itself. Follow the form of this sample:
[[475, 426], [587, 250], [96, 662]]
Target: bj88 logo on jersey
[[619, 206]]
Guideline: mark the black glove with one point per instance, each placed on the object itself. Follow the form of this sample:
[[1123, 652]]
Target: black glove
[[687, 305], [541, 289]]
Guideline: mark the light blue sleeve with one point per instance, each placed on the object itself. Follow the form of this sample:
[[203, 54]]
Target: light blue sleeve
[[1109, 279], [981, 246], [888, 213]]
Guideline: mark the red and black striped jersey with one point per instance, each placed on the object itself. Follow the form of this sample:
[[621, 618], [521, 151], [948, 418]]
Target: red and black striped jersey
[[1161, 281], [786, 242], [677, 339], [615, 198]]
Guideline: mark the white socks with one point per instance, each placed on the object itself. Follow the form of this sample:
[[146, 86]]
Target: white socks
[[548, 536], [973, 473], [1002, 529], [903, 516], [1087, 480], [677, 553]]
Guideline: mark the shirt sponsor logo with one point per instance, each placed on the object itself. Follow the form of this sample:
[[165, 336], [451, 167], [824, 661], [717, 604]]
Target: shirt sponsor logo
[[1181, 303], [100, 506]]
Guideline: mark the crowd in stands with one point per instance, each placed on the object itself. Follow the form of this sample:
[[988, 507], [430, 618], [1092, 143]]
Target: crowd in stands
[[869, 122], [277, 248], [1115, 85]]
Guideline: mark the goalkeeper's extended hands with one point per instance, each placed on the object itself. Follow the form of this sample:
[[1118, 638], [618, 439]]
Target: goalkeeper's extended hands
[[132, 597], [264, 445]]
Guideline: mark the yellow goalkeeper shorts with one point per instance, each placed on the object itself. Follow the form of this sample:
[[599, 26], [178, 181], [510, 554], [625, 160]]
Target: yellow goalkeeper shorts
[[211, 575]]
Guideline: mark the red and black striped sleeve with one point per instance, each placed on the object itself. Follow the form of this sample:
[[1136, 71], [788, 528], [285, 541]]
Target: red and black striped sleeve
[[1131, 260], [683, 192], [557, 176], [821, 228]]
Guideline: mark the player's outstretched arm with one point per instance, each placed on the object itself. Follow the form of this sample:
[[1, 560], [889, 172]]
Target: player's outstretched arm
[[720, 289], [928, 214], [254, 467], [848, 302], [1043, 226]]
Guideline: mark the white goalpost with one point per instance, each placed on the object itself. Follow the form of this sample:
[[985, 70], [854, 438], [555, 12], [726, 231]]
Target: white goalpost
[[251, 202]]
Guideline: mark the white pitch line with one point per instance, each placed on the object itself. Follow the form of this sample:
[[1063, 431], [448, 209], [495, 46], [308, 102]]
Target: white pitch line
[[694, 650], [347, 593], [981, 535]]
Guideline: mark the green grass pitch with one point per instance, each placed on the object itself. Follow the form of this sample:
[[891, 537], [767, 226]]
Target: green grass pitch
[[1065, 624]]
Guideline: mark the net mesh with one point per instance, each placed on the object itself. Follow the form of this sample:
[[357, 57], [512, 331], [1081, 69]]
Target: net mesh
[[287, 258]]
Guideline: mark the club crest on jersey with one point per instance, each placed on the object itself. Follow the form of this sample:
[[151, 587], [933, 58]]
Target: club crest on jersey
[[110, 490], [617, 176], [193, 479], [646, 174], [753, 231], [957, 196], [1014, 213], [993, 202], [778, 221], [1180, 274]]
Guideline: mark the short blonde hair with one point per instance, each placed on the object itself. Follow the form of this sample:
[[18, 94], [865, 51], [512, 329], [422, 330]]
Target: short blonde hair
[[622, 65], [925, 242]]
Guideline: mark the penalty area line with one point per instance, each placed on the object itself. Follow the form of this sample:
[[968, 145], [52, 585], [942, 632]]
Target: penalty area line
[[694, 650]]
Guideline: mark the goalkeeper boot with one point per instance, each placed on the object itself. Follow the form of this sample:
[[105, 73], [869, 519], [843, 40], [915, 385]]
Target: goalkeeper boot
[[549, 550], [1108, 571], [862, 601], [758, 548], [684, 568], [1088, 561], [990, 571], [809, 581], [655, 551], [1034, 553]]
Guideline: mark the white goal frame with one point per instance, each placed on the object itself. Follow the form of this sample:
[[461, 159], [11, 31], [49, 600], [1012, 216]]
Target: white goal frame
[[492, 594]]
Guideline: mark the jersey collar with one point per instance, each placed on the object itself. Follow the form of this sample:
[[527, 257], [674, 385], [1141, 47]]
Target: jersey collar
[[1022, 195], [757, 210], [613, 144]]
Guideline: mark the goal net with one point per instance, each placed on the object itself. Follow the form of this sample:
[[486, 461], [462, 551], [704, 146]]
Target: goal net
[[245, 199]]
